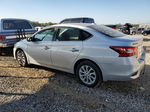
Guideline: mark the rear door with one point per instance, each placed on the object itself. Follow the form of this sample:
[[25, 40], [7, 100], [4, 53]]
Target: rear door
[[67, 47]]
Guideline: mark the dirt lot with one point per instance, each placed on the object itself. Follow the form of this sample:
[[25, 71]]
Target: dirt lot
[[39, 89]]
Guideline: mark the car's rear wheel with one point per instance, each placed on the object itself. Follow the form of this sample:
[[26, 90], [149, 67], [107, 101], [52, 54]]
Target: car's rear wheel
[[133, 33], [145, 34], [88, 73], [21, 58]]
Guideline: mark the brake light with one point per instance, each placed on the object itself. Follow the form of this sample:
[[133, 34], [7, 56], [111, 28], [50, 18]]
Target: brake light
[[125, 51], [1, 37]]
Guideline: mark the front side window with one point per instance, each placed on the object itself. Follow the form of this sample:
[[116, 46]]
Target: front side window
[[45, 35], [16, 24]]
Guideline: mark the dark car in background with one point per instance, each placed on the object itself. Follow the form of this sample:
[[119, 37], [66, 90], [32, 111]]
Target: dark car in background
[[146, 32], [78, 20], [112, 26], [12, 31]]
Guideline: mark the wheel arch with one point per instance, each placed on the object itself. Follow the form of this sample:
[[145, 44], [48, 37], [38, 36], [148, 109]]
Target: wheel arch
[[85, 59], [24, 52]]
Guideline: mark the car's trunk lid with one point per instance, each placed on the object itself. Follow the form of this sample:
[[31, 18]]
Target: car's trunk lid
[[133, 42]]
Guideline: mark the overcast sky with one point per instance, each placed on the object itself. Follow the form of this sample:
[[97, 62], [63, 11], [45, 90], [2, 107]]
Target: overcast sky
[[103, 11]]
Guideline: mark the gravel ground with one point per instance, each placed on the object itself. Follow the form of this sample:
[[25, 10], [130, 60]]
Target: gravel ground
[[39, 89]]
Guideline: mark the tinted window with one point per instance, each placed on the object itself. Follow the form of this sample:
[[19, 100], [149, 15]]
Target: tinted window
[[46, 35], [85, 35], [68, 34], [87, 20], [76, 20], [16, 24], [65, 21], [72, 34], [107, 31]]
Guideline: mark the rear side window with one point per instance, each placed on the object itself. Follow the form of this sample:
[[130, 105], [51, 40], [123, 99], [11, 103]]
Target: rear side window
[[107, 31], [16, 24]]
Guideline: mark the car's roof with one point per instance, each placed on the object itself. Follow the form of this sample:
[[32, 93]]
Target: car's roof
[[71, 25], [78, 18], [12, 19]]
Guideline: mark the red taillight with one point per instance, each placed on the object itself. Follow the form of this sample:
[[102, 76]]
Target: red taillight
[[125, 51], [1, 37]]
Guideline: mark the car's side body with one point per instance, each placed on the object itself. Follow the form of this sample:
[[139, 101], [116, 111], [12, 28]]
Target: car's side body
[[96, 48]]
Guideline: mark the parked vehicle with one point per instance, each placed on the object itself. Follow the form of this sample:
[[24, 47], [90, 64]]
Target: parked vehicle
[[146, 32], [134, 31], [78, 20], [12, 30], [112, 26], [95, 53]]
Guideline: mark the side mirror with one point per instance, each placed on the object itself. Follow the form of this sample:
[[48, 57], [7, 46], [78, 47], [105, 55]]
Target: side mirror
[[30, 39]]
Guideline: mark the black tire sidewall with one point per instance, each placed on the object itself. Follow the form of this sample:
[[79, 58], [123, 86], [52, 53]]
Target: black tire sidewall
[[145, 34], [97, 70], [26, 63], [133, 33]]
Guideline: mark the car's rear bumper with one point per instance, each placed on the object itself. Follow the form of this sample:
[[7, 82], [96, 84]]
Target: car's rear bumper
[[124, 72], [125, 77], [4, 45]]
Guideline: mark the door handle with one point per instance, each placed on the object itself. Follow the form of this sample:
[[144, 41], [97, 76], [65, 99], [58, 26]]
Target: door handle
[[46, 48], [75, 50]]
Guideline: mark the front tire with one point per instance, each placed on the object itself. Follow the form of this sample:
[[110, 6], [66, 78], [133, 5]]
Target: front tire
[[88, 73], [21, 58]]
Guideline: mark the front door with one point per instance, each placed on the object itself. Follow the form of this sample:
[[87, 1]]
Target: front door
[[40, 48]]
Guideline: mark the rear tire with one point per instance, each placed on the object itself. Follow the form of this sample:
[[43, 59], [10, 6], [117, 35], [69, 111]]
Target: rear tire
[[145, 34], [21, 58], [88, 74], [0, 51], [133, 33]]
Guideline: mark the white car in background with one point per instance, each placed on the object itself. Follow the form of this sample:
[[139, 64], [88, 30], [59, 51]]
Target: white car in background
[[94, 53]]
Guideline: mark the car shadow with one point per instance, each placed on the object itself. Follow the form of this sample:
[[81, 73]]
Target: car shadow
[[6, 51], [146, 39], [147, 49], [63, 92], [134, 87]]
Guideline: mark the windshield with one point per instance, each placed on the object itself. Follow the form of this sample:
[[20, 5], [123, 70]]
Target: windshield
[[107, 31]]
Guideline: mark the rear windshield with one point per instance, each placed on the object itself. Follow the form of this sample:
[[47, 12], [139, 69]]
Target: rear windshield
[[16, 24], [107, 31]]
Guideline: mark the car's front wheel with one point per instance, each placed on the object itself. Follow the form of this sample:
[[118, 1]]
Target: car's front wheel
[[88, 73], [21, 58]]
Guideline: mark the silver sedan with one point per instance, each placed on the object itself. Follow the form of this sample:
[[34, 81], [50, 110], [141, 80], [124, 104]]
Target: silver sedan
[[94, 53]]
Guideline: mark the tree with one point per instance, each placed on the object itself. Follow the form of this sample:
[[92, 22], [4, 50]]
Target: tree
[[36, 23]]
